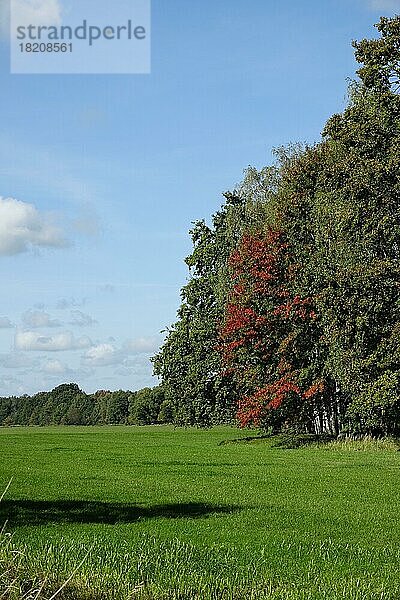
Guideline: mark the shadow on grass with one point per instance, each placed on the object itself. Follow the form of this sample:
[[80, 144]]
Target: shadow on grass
[[286, 441], [245, 440], [290, 441], [40, 512]]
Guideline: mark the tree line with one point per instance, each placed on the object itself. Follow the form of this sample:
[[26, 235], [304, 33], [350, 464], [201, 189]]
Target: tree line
[[67, 404], [291, 316]]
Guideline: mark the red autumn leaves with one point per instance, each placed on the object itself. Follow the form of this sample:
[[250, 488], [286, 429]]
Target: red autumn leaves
[[259, 338]]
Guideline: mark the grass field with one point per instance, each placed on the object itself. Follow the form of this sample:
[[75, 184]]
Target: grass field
[[173, 514]]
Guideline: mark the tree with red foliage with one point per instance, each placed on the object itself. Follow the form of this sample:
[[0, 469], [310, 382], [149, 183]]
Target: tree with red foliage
[[262, 338]]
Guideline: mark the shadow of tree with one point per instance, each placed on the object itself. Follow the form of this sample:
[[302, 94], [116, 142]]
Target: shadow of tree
[[285, 441], [40, 512]]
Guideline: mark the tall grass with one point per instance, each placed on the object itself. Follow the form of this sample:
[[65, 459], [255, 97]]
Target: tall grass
[[173, 570], [365, 443], [24, 578]]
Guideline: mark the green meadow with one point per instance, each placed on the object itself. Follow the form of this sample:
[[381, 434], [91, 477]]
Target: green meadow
[[162, 513]]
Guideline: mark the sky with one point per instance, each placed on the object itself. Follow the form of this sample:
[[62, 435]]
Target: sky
[[101, 176]]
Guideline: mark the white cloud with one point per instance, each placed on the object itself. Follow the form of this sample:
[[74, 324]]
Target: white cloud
[[33, 341], [103, 355], [23, 227], [5, 323], [81, 319], [140, 368], [55, 367], [38, 318], [386, 5], [108, 354]]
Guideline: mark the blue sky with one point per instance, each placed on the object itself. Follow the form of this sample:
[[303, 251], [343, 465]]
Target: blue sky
[[102, 175]]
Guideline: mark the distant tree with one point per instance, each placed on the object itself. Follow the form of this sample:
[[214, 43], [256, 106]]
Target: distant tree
[[145, 406], [67, 404], [112, 407]]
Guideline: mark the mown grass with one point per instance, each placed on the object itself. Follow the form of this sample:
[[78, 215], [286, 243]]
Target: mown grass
[[174, 514]]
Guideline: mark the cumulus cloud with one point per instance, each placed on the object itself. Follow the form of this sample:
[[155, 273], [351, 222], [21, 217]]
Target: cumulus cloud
[[55, 367], [103, 355], [81, 319], [34, 341], [37, 318], [107, 354], [5, 323], [23, 227]]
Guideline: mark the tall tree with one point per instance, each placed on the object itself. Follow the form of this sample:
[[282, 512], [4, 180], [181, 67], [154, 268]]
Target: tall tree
[[308, 303]]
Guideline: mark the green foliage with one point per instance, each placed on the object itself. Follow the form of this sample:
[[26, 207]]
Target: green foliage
[[67, 404], [336, 207], [145, 406], [381, 58], [112, 407], [377, 407], [166, 414]]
